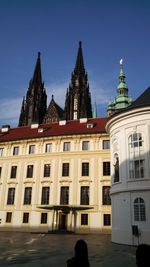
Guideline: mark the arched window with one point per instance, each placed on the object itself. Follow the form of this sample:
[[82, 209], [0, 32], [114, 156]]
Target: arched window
[[139, 210], [136, 158], [135, 140]]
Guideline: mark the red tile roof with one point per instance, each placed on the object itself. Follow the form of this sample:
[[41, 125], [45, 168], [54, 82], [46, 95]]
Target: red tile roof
[[70, 128]]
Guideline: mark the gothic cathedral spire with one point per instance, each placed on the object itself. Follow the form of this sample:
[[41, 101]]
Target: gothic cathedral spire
[[34, 106], [78, 98]]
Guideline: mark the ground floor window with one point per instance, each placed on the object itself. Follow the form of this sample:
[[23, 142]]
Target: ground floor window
[[107, 219], [8, 217], [25, 217], [139, 209], [43, 218], [84, 219]]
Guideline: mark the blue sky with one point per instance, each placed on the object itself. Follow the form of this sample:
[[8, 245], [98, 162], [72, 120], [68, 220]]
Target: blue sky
[[109, 30]]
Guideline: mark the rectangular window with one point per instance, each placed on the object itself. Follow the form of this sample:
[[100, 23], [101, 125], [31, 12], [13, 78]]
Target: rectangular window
[[106, 144], [11, 196], [136, 169], [106, 195], [46, 170], [65, 169], [106, 168], [16, 150], [85, 168], [84, 219], [13, 172], [64, 195], [8, 217], [25, 217], [45, 196], [107, 219], [43, 218], [85, 145], [1, 151], [27, 195], [66, 146], [31, 149], [0, 172], [84, 197], [48, 147], [29, 171]]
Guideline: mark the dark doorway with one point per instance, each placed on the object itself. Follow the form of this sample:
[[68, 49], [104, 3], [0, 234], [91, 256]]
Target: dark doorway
[[62, 221]]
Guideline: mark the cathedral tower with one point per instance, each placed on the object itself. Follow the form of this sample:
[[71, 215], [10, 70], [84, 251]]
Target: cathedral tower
[[34, 107], [78, 98]]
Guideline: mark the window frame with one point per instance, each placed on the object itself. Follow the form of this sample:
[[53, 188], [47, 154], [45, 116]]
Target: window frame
[[25, 218], [107, 219], [45, 195], [15, 150], [106, 144], [11, 196], [31, 149], [1, 151], [30, 169], [65, 169], [66, 146], [139, 210], [136, 157], [44, 217], [84, 219], [27, 196], [64, 195], [47, 170], [48, 147], [8, 217], [106, 200], [85, 145], [85, 169], [84, 195], [106, 168], [13, 173]]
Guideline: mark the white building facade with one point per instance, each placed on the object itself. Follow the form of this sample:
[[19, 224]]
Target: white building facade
[[130, 172], [55, 177]]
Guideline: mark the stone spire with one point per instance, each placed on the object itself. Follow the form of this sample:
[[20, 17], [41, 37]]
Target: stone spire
[[37, 76], [78, 98], [34, 106], [79, 67]]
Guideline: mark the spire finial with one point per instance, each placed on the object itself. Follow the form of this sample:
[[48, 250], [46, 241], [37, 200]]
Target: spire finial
[[121, 62], [39, 53], [52, 97], [79, 67]]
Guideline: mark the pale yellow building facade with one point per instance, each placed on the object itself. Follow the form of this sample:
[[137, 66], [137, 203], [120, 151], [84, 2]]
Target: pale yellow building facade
[[55, 177]]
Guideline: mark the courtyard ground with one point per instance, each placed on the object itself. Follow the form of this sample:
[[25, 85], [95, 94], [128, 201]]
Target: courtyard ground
[[53, 250]]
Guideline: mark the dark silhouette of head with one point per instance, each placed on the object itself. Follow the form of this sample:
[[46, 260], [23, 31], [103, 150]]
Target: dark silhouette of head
[[143, 255], [81, 250]]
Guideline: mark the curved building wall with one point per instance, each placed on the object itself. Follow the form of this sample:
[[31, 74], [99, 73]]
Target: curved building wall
[[130, 176]]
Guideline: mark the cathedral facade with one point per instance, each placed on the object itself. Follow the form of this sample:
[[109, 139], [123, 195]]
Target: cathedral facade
[[77, 103]]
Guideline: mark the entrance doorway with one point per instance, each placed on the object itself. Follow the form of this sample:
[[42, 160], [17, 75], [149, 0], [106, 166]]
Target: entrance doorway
[[63, 221]]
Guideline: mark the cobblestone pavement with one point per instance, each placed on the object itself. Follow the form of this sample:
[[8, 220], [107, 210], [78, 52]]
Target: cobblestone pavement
[[54, 249]]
